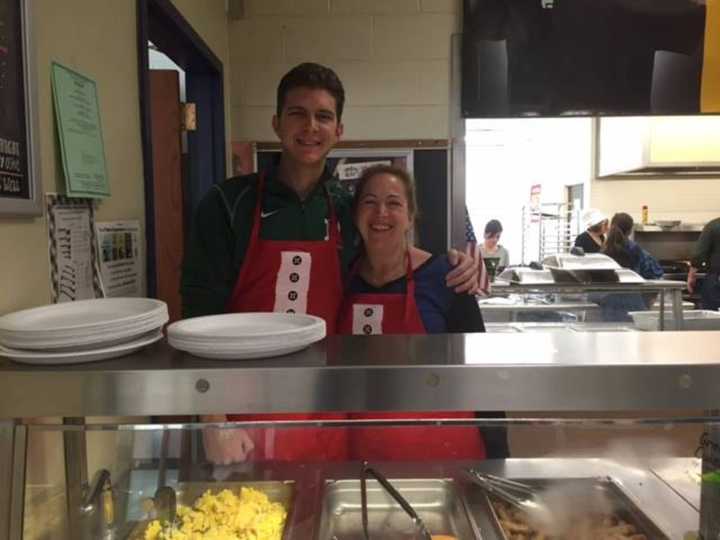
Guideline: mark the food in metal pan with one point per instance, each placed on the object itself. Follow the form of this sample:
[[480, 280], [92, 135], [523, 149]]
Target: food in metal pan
[[594, 526], [224, 516]]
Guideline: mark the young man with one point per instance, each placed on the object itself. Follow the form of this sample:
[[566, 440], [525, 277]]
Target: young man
[[280, 240]]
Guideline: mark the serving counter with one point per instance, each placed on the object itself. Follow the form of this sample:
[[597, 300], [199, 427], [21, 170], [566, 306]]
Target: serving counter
[[665, 290], [624, 406]]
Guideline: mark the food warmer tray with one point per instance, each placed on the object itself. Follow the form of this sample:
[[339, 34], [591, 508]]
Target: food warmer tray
[[188, 492], [437, 501], [601, 495]]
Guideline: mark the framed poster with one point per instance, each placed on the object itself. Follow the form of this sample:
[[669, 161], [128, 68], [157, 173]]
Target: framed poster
[[20, 186]]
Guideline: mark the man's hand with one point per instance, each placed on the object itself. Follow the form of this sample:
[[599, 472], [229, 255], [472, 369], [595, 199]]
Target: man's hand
[[465, 274], [691, 280], [226, 446]]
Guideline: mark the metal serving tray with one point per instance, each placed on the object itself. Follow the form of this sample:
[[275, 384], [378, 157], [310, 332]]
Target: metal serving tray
[[188, 492], [602, 494], [437, 501]]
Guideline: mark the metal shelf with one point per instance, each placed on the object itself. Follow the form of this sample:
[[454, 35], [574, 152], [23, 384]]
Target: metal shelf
[[508, 372]]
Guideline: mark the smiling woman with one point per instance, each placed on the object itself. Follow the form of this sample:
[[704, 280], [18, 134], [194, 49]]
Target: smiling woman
[[395, 288], [391, 269]]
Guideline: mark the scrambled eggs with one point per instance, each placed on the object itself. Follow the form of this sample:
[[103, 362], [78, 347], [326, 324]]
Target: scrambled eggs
[[225, 516]]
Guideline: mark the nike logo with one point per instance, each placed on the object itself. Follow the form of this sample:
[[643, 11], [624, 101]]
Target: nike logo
[[268, 214]]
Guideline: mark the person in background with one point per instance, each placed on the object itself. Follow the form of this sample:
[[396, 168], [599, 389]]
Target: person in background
[[472, 249], [596, 226], [281, 241], [628, 254], [490, 248], [396, 288], [707, 252]]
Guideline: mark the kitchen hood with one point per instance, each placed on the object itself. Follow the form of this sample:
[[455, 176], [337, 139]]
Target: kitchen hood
[[659, 147]]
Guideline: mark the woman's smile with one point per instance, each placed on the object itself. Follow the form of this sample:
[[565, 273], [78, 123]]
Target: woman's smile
[[382, 212]]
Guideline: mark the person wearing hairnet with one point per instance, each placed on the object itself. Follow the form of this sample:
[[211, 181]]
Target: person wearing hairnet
[[596, 227]]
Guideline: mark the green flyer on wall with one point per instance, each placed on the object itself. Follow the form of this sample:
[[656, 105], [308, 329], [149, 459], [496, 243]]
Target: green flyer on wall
[[77, 112]]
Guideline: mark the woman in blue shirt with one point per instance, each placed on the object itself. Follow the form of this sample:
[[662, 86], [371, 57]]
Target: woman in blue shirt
[[396, 288], [628, 254]]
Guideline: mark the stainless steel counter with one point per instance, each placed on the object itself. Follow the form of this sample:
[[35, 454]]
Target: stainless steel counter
[[544, 371], [495, 312], [552, 371], [662, 287], [683, 476], [575, 288]]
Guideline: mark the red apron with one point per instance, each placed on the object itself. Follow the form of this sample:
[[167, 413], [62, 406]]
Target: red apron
[[294, 277], [398, 314]]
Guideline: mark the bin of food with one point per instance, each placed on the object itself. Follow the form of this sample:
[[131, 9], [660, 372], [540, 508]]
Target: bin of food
[[257, 510], [572, 509]]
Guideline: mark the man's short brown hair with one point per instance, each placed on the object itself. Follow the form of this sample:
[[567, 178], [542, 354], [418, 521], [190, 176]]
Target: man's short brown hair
[[311, 75]]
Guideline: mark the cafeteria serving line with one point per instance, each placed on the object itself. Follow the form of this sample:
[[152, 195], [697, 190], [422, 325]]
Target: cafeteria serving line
[[136, 135], [653, 486]]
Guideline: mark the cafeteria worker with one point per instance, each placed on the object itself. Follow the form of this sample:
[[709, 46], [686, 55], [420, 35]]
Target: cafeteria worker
[[395, 288], [280, 241]]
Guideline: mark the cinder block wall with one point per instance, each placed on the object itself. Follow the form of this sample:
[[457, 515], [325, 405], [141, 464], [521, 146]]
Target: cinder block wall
[[392, 55]]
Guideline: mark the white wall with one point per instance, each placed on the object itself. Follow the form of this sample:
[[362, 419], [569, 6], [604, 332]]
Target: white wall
[[504, 158], [393, 57], [660, 140], [690, 200]]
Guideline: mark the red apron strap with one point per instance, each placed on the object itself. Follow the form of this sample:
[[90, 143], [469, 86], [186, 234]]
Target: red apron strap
[[255, 231]]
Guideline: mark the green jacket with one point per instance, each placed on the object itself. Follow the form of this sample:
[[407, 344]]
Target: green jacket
[[707, 249], [221, 233]]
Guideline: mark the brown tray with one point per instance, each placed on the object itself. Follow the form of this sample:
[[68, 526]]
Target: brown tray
[[599, 493], [188, 492], [438, 502]]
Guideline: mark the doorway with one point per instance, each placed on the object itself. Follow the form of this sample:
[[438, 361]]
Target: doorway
[[175, 180], [575, 197]]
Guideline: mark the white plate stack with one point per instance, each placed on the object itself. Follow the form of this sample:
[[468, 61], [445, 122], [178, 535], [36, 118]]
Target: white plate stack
[[246, 335], [82, 331]]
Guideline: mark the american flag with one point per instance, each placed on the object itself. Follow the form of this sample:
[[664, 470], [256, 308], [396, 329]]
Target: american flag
[[472, 248]]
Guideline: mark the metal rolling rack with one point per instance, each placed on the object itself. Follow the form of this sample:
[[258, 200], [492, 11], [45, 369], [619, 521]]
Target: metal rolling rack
[[548, 229], [596, 372]]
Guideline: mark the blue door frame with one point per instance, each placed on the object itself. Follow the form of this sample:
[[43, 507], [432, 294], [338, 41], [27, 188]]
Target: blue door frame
[[160, 21]]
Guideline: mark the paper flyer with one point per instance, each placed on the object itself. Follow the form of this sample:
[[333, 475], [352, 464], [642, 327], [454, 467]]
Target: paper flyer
[[121, 258]]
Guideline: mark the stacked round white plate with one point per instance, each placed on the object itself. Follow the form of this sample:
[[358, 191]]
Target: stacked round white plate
[[246, 335], [81, 331]]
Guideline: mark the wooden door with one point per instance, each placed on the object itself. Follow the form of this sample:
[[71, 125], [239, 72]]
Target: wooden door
[[168, 186]]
